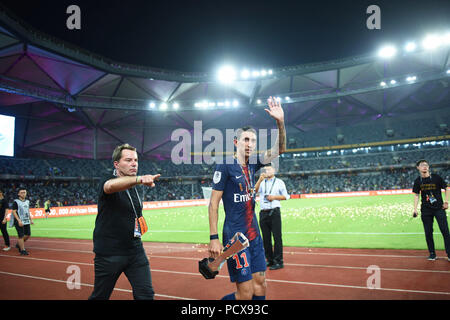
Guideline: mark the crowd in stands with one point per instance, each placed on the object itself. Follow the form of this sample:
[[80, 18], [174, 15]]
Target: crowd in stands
[[47, 178], [373, 131]]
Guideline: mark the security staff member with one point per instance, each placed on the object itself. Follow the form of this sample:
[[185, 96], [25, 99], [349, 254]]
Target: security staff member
[[117, 235], [271, 191], [430, 186]]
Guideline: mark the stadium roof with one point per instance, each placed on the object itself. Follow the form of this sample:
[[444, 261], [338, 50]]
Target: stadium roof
[[70, 102]]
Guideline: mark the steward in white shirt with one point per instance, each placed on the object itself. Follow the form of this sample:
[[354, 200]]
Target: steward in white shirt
[[271, 191]]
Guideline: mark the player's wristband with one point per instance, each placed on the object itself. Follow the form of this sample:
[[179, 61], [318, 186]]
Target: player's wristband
[[213, 237]]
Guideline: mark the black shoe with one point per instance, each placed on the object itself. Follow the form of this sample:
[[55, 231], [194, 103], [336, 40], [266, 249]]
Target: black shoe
[[432, 257], [24, 253], [269, 264], [276, 266], [17, 246]]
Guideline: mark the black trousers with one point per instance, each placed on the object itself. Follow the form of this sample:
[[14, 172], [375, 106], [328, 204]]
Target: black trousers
[[5, 234], [427, 216], [109, 268], [270, 223]]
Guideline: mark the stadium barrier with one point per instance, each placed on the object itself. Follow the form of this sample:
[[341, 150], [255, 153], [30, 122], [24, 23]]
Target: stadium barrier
[[37, 213]]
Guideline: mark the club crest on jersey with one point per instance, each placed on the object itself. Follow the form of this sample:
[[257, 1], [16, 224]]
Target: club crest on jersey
[[217, 176]]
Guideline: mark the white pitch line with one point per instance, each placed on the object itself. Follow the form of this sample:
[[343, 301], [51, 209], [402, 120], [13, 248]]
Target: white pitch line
[[285, 252], [85, 284], [285, 232], [357, 287], [222, 276]]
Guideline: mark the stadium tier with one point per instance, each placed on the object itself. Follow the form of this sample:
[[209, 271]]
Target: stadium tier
[[74, 181]]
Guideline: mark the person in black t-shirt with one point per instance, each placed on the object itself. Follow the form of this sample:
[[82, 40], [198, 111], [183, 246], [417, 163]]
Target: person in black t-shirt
[[3, 226], [117, 235], [430, 186]]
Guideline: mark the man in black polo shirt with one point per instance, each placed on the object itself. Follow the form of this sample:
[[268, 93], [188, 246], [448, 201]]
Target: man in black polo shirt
[[430, 186], [117, 235]]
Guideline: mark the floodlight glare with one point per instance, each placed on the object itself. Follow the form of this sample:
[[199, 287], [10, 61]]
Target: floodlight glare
[[448, 71], [287, 98], [431, 42], [393, 82], [245, 74], [235, 103], [413, 78], [255, 73], [176, 106], [226, 74], [382, 83], [163, 106], [387, 52], [151, 105], [446, 38], [263, 73], [270, 71], [410, 46]]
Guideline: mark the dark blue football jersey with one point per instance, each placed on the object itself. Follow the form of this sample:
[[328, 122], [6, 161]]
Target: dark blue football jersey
[[237, 182]]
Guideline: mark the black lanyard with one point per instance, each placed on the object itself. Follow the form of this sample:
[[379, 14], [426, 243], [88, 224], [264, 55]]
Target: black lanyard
[[265, 186]]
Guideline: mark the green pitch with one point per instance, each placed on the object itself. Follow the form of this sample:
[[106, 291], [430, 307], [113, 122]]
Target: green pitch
[[359, 222]]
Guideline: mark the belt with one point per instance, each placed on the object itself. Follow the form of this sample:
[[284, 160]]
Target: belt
[[267, 210]]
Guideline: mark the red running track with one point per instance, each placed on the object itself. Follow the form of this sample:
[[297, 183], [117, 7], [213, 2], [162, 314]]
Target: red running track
[[309, 273]]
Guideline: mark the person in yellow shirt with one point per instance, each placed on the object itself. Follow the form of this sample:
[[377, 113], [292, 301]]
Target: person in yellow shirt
[[47, 208]]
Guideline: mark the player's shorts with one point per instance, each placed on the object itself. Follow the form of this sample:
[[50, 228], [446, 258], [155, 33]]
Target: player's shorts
[[252, 259], [47, 210], [22, 231]]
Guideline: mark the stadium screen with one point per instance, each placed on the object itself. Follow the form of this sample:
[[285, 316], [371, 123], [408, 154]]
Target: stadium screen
[[7, 125]]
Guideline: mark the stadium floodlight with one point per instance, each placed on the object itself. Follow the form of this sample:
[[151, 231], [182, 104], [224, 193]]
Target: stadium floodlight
[[383, 84], [412, 78], [393, 81], [270, 71], [263, 73], [387, 51], [227, 103], [258, 101], [176, 106], [163, 106], [410, 46], [245, 74], [431, 42], [152, 105], [255, 74], [211, 104], [226, 74], [448, 71], [235, 103], [446, 39], [287, 98]]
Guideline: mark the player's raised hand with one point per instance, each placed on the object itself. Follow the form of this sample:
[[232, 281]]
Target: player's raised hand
[[275, 110], [149, 180]]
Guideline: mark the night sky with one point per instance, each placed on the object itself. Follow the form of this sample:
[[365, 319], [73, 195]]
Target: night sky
[[197, 36]]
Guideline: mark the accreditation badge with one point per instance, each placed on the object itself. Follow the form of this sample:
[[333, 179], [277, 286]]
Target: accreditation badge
[[137, 231]]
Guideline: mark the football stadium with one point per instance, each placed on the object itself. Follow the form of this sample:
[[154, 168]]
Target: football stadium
[[355, 130]]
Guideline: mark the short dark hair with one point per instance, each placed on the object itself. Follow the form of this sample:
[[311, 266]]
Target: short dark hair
[[117, 154], [420, 161], [20, 189], [242, 130]]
